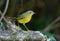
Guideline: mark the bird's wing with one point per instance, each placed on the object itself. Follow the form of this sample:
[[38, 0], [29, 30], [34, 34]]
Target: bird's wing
[[23, 15], [20, 17]]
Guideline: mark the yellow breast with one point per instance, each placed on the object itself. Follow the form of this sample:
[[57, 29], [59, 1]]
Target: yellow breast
[[26, 19]]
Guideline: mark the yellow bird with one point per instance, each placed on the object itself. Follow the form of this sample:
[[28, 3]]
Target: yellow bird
[[25, 18]]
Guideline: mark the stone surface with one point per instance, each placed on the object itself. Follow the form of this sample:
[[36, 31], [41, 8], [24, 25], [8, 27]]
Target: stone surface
[[22, 35]]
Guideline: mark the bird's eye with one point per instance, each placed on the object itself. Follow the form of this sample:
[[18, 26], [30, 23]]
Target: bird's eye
[[30, 12]]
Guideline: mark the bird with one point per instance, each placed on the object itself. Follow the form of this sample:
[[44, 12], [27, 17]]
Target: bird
[[25, 18]]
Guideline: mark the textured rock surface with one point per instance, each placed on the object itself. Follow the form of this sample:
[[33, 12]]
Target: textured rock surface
[[22, 35]]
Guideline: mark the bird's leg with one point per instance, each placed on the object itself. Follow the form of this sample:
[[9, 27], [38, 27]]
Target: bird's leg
[[26, 27]]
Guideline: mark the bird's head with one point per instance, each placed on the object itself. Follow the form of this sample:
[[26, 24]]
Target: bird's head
[[30, 12]]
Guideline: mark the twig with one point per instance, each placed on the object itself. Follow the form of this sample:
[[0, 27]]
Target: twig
[[6, 7], [48, 28]]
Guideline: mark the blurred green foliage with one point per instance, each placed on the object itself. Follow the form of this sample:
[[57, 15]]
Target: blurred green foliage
[[50, 37]]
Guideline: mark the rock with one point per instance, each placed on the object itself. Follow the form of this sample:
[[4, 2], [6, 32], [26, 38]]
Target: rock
[[22, 35]]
